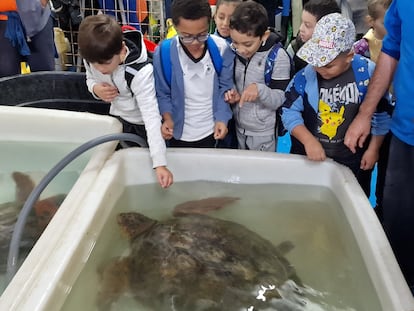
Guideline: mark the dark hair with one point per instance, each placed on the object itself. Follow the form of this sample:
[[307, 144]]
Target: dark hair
[[250, 18], [320, 8], [220, 2], [190, 9], [100, 38]]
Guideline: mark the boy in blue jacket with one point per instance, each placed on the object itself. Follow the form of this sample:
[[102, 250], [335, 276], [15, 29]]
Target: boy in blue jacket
[[192, 102], [324, 97]]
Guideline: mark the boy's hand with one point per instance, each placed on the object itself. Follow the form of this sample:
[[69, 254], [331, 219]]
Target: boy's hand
[[314, 150], [167, 128], [164, 176], [369, 158], [250, 94], [232, 96], [220, 130], [105, 91]]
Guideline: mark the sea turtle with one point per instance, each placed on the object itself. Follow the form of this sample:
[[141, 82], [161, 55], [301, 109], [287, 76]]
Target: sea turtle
[[196, 262], [37, 221]]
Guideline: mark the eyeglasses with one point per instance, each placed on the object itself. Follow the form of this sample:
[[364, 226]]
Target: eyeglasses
[[233, 47], [190, 38]]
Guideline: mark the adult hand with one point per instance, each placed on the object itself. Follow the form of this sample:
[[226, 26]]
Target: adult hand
[[357, 132]]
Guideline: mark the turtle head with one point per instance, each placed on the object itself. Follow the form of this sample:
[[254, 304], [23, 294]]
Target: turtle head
[[134, 224]]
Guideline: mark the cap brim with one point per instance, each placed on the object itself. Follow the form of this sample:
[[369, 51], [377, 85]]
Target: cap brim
[[315, 55]]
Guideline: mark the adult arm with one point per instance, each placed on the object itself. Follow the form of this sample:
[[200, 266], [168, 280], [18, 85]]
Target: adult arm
[[379, 84]]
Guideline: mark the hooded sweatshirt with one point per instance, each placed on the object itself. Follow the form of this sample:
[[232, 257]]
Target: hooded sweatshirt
[[137, 105], [259, 118]]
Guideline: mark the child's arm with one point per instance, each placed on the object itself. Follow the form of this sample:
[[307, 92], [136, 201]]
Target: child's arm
[[313, 148], [371, 155], [143, 87]]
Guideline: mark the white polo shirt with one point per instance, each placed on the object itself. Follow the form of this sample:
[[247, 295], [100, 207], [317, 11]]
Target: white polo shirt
[[198, 93]]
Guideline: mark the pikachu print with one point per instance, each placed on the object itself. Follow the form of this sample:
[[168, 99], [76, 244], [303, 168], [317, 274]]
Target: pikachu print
[[330, 120]]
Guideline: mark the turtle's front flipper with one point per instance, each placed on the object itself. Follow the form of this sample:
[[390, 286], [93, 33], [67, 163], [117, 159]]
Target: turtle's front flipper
[[24, 186], [114, 282], [202, 206]]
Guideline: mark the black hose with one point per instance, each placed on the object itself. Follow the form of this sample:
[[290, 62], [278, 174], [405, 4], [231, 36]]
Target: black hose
[[35, 194]]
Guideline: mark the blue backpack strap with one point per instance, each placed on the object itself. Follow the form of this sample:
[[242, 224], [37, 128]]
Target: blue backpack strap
[[165, 59], [215, 54], [270, 62], [166, 62], [362, 75]]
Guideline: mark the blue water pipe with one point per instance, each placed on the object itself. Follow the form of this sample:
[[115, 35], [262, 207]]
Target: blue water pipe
[[35, 194]]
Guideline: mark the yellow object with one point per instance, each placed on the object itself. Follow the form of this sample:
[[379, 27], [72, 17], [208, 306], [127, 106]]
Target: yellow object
[[171, 32], [62, 46], [24, 68]]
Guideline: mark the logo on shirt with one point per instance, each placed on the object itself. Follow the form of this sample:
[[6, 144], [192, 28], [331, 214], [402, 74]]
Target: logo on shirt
[[330, 120]]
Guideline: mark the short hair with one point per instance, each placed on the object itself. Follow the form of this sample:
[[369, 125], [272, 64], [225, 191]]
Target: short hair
[[190, 9], [100, 38], [320, 8], [220, 2], [250, 18], [374, 5]]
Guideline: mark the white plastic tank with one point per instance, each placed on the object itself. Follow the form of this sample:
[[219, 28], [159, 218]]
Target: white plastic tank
[[34, 140], [340, 251]]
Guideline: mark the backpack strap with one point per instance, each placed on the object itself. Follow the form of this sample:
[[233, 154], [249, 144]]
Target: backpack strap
[[131, 70], [215, 54], [270, 63], [165, 53], [165, 59]]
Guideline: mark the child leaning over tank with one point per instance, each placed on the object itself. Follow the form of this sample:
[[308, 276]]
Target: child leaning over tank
[[106, 55], [324, 97]]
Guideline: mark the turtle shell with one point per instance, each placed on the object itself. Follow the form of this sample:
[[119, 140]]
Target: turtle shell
[[197, 262]]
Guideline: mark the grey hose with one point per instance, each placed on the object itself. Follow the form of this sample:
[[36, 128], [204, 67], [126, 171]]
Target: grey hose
[[35, 194]]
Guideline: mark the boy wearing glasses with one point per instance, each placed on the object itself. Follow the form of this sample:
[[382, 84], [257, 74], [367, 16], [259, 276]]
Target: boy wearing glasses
[[192, 104], [253, 100]]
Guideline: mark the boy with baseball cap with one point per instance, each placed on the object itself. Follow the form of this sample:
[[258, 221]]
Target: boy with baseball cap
[[324, 97]]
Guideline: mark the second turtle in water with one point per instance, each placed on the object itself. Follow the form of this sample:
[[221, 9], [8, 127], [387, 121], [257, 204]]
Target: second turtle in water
[[196, 262]]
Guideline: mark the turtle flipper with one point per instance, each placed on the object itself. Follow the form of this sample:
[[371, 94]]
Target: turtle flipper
[[114, 282], [24, 186], [202, 206]]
